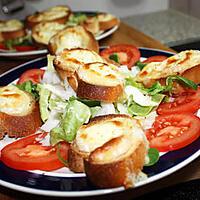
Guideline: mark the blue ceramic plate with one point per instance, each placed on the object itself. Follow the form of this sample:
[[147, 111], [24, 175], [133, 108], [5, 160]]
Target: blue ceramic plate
[[67, 184]]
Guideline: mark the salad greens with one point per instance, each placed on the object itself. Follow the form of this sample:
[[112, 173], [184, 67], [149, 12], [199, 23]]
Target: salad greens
[[26, 40], [153, 155], [30, 87], [114, 57], [140, 65], [63, 113], [76, 114], [44, 102], [182, 80], [76, 19]]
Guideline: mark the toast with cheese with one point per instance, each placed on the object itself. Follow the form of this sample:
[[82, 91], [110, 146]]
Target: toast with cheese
[[59, 14], [110, 143], [72, 37], [42, 32], [68, 61], [19, 112], [107, 21], [100, 81], [118, 162], [11, 29], [185, 63], [92, 25]]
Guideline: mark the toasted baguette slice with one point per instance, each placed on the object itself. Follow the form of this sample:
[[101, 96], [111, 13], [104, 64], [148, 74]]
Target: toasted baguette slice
[[72, 37], [43, 31], [92, 25], [118, 162], [185, 63], [68, 61], [11, 29], [19, 112], [59, 14], [107, 21], [99, 81], [96, 133]]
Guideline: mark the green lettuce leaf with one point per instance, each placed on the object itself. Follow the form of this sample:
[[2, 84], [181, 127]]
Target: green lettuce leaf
[[153, 155], [28, 86], [76, 115], [44, 103]]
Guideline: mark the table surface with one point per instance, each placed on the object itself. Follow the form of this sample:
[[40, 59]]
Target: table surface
[[129, 35]]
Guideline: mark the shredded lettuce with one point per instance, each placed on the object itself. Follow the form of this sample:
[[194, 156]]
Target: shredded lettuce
[[76, 19], [30, 87], [158, 88], [140, 65], [90, 103], [76, 114], [26, 40], [44, 103], [138, 110]]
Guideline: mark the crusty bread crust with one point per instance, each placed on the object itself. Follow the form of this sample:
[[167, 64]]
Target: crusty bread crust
[[99, 93], [92, 25], [105, 24], [20, 126], [39, 31], [76, 159], [13, 34], [119, 173], [185, 63], [34, 19], [85, 39], [30, 24], [68, 61], [193, 74]]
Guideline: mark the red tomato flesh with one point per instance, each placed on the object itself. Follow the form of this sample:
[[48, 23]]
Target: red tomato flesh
[[171, 132], [3, 47], [187, 102], [29, 154], [25, 48], [127, 54], [155, 59], [34, 75]]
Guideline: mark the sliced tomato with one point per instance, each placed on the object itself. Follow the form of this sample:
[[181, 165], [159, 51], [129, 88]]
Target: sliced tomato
[[3, 47], [155, 59], [187, 102], [29, 154], [127, 54], [171, 132], [34, 75], [25, 48]]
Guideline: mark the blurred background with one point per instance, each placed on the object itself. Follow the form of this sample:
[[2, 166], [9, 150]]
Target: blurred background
[[173, 22]]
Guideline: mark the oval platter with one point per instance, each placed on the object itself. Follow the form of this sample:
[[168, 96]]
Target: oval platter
[[64, 183]]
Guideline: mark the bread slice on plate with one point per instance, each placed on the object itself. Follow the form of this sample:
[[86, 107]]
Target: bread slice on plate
[[59, 14], [185, 63], [72, 37], [91, 24], [11, 29], [42, 32], [107, 21], [100, 81], [19, 112], [111, 149], [117, 163], [69, 60]]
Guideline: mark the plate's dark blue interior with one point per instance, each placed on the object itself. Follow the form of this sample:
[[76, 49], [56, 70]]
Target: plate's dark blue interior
[[44, 182]]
